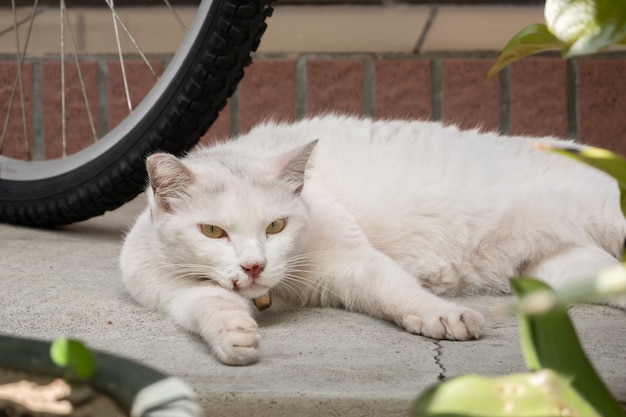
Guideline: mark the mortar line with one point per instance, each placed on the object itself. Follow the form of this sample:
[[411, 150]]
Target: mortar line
[[165, 62], [39, 143], [103, 97], [505, 101], [301, 87], [436, 69], [235, 117], [369, 87], [572, 99]]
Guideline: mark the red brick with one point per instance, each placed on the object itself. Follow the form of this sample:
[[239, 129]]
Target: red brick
[[467, 100], [219, 130], [267, 91], [140, 81], [403, 89], [78, 131], [602, 103], [13, 145], [538, 97], [334, 86]]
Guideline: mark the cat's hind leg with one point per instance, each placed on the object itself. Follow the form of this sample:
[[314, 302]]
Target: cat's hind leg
[[368, 281], [574, 264], [362, 278]]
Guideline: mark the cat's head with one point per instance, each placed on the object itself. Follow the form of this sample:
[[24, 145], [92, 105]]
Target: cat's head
[[227, 217]]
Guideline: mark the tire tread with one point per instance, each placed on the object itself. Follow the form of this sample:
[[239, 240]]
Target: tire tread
[[213, 77]]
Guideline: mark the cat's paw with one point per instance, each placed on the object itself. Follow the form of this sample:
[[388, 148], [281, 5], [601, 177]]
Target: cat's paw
[[454, 323], [238, 341]]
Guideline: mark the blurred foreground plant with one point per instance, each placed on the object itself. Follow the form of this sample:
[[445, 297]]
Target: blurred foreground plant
[[74, 357], [562, 381], [576, 27]]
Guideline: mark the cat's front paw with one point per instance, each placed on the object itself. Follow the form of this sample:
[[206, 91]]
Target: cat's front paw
[[454, 323], [238, 341]]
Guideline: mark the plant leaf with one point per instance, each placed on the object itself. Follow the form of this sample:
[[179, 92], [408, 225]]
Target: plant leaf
[[549, 341], [73, 355], [544, 393], [586, 26], [530, 40]]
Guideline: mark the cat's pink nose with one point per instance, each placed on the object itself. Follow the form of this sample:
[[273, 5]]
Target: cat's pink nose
[[253, 270]]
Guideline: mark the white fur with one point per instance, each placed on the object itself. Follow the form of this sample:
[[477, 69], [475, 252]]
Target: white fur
[[388, 208]]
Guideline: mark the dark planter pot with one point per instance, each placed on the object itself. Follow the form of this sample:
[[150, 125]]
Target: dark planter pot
[[139, 390]]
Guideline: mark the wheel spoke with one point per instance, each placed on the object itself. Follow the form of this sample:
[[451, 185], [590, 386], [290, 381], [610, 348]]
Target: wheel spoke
[[21, 22], [63, 114], [117, 18], [81, 80], [21, 56], [121, 55], [19, 83], [176, 16], [66, 30]]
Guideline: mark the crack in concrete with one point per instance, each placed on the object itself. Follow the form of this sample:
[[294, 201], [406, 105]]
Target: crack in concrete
[[438, 355]]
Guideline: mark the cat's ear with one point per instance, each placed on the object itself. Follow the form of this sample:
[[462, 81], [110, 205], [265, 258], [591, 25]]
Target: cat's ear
[[168, 178], [292, 165]]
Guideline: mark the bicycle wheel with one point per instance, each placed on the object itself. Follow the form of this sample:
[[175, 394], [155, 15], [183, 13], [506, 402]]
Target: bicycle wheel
[[181, 106]]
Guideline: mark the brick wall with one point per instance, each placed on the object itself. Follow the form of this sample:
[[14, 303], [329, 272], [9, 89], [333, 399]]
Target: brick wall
[[584, 99]]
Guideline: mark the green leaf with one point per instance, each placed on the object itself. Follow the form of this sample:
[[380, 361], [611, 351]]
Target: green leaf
[[544, 393], [530, 40], [602, 159], [586, 26], [74, 356], [549, 341]]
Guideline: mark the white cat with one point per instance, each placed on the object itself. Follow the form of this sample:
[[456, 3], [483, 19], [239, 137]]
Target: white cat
[[364, 215]]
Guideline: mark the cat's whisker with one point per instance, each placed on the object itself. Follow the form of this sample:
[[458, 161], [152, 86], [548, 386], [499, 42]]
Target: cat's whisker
[[291, 289], [296, 270], [312, 284], [307, 257], [295, 283], [310, 255], [178, 266], [297, 267], [190, 272], [302, 267], [303, 261]]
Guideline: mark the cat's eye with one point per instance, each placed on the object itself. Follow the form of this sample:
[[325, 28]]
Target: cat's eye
[[214, 232], [276, 226]]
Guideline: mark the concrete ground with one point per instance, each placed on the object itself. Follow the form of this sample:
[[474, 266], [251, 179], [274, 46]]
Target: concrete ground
[[315, 362]]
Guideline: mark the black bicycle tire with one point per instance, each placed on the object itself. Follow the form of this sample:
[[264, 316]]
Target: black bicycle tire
[[190, 104]]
